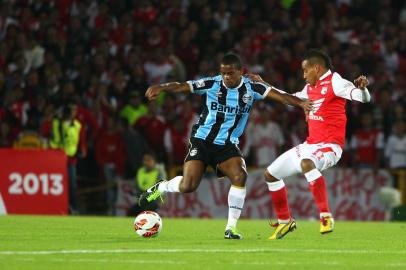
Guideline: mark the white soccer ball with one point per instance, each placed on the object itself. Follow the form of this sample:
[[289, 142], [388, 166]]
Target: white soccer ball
[[148, 224]]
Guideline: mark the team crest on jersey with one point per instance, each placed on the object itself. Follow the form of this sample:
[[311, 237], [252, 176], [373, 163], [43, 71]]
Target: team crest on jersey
[[246, 98], [193, 152], [200, 83], [324, 90]]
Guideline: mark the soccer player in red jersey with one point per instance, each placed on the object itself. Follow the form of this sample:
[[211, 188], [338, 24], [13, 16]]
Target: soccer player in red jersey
[[323, 146]]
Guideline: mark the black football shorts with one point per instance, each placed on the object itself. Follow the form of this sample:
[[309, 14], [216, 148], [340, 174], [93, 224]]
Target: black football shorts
[[211, 154]]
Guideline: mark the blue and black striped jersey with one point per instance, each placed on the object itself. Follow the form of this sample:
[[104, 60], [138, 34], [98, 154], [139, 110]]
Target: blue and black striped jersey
[[226, 110]]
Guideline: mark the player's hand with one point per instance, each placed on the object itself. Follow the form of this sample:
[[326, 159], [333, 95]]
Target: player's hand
[[307, 106], [361, 82], [153, 92], [255, 77]]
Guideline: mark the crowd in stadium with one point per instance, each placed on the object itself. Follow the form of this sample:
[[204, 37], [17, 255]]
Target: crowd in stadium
[[101, 56]]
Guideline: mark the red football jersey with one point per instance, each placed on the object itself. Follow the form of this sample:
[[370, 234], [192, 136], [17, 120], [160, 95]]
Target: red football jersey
[[327, 121]]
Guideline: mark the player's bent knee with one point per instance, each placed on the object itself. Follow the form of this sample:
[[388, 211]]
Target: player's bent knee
[[269, 177], [239, 179], [307, 165]]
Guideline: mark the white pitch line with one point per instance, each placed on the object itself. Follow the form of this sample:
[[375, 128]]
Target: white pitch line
[[106, 261], [248, 250], [166, 262]]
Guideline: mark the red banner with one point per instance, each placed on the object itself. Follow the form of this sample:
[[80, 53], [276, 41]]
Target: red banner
[[33, 182]]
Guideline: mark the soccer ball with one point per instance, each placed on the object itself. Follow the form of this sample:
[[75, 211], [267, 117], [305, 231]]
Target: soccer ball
[[148, 224]]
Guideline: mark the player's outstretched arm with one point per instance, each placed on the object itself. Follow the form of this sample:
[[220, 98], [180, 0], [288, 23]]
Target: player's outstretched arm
[[283, 97], [173, 87]]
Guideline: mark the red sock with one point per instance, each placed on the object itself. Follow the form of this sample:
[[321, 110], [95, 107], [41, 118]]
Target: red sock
[[319, 190], [280, 203]]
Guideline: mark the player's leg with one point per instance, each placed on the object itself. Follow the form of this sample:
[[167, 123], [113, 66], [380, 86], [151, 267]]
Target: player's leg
[[193, 170], [315, 160], [285, 165], [235, 169], [192, 175]]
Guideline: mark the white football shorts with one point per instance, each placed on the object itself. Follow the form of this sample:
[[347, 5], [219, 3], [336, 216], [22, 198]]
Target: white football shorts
[[324, 156]]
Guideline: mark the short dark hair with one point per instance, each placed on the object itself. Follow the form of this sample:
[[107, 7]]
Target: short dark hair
[[316, 56], [232, 59], [151, 153]]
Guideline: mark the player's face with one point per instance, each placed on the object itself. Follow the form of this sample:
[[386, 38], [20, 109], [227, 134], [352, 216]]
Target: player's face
[[231, 75], [310, 73]]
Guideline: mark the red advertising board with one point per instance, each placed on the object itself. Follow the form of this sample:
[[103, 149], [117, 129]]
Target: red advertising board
[[33, 182]]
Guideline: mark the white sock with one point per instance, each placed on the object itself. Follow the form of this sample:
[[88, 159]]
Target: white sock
[[236, 197], [275, 186], [171, 185], [325, 214], [312, 175]]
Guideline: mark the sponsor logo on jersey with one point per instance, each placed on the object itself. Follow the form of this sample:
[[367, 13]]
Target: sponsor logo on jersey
[[214, 106], [219, 94], [325, 82], [316, 117], [316, 107], [200, 83], [246, 98]]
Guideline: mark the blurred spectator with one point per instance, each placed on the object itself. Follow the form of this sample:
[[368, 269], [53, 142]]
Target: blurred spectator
[[158, 67], [298, 135], [136, 147], [111, 158], [29, 137], [265, 138], [5, 135], [222, 16], [146, 177], [134, 109], [175, 142], [67, 135], [367, 144], [152, 126], [395, 150]]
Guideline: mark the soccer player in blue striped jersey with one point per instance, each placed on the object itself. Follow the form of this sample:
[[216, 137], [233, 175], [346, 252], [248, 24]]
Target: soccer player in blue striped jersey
[[228, 100]]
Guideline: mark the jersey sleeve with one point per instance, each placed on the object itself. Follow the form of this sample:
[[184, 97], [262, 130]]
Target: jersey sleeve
[[302, 94], [346, 89], [260, 90], [201, 86]]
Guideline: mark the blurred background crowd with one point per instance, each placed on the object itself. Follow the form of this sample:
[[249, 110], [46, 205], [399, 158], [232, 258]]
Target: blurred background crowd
[[97, 58]]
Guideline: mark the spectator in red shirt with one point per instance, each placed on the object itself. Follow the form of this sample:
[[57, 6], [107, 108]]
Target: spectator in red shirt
[[110, 156], [175, 139], [152, 127], [367, 144]]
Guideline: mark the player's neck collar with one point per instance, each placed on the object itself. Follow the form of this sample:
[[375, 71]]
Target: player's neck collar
[[328, 72], [238, 86]]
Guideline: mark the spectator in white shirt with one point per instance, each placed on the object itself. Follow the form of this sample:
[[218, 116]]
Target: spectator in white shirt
[[265, 140], [395, 151]]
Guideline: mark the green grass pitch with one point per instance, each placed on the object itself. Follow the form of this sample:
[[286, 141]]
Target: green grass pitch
[[37, 242]]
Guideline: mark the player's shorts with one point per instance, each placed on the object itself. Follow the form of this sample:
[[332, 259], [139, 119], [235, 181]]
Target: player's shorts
[[211, 154], [324, 156]]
